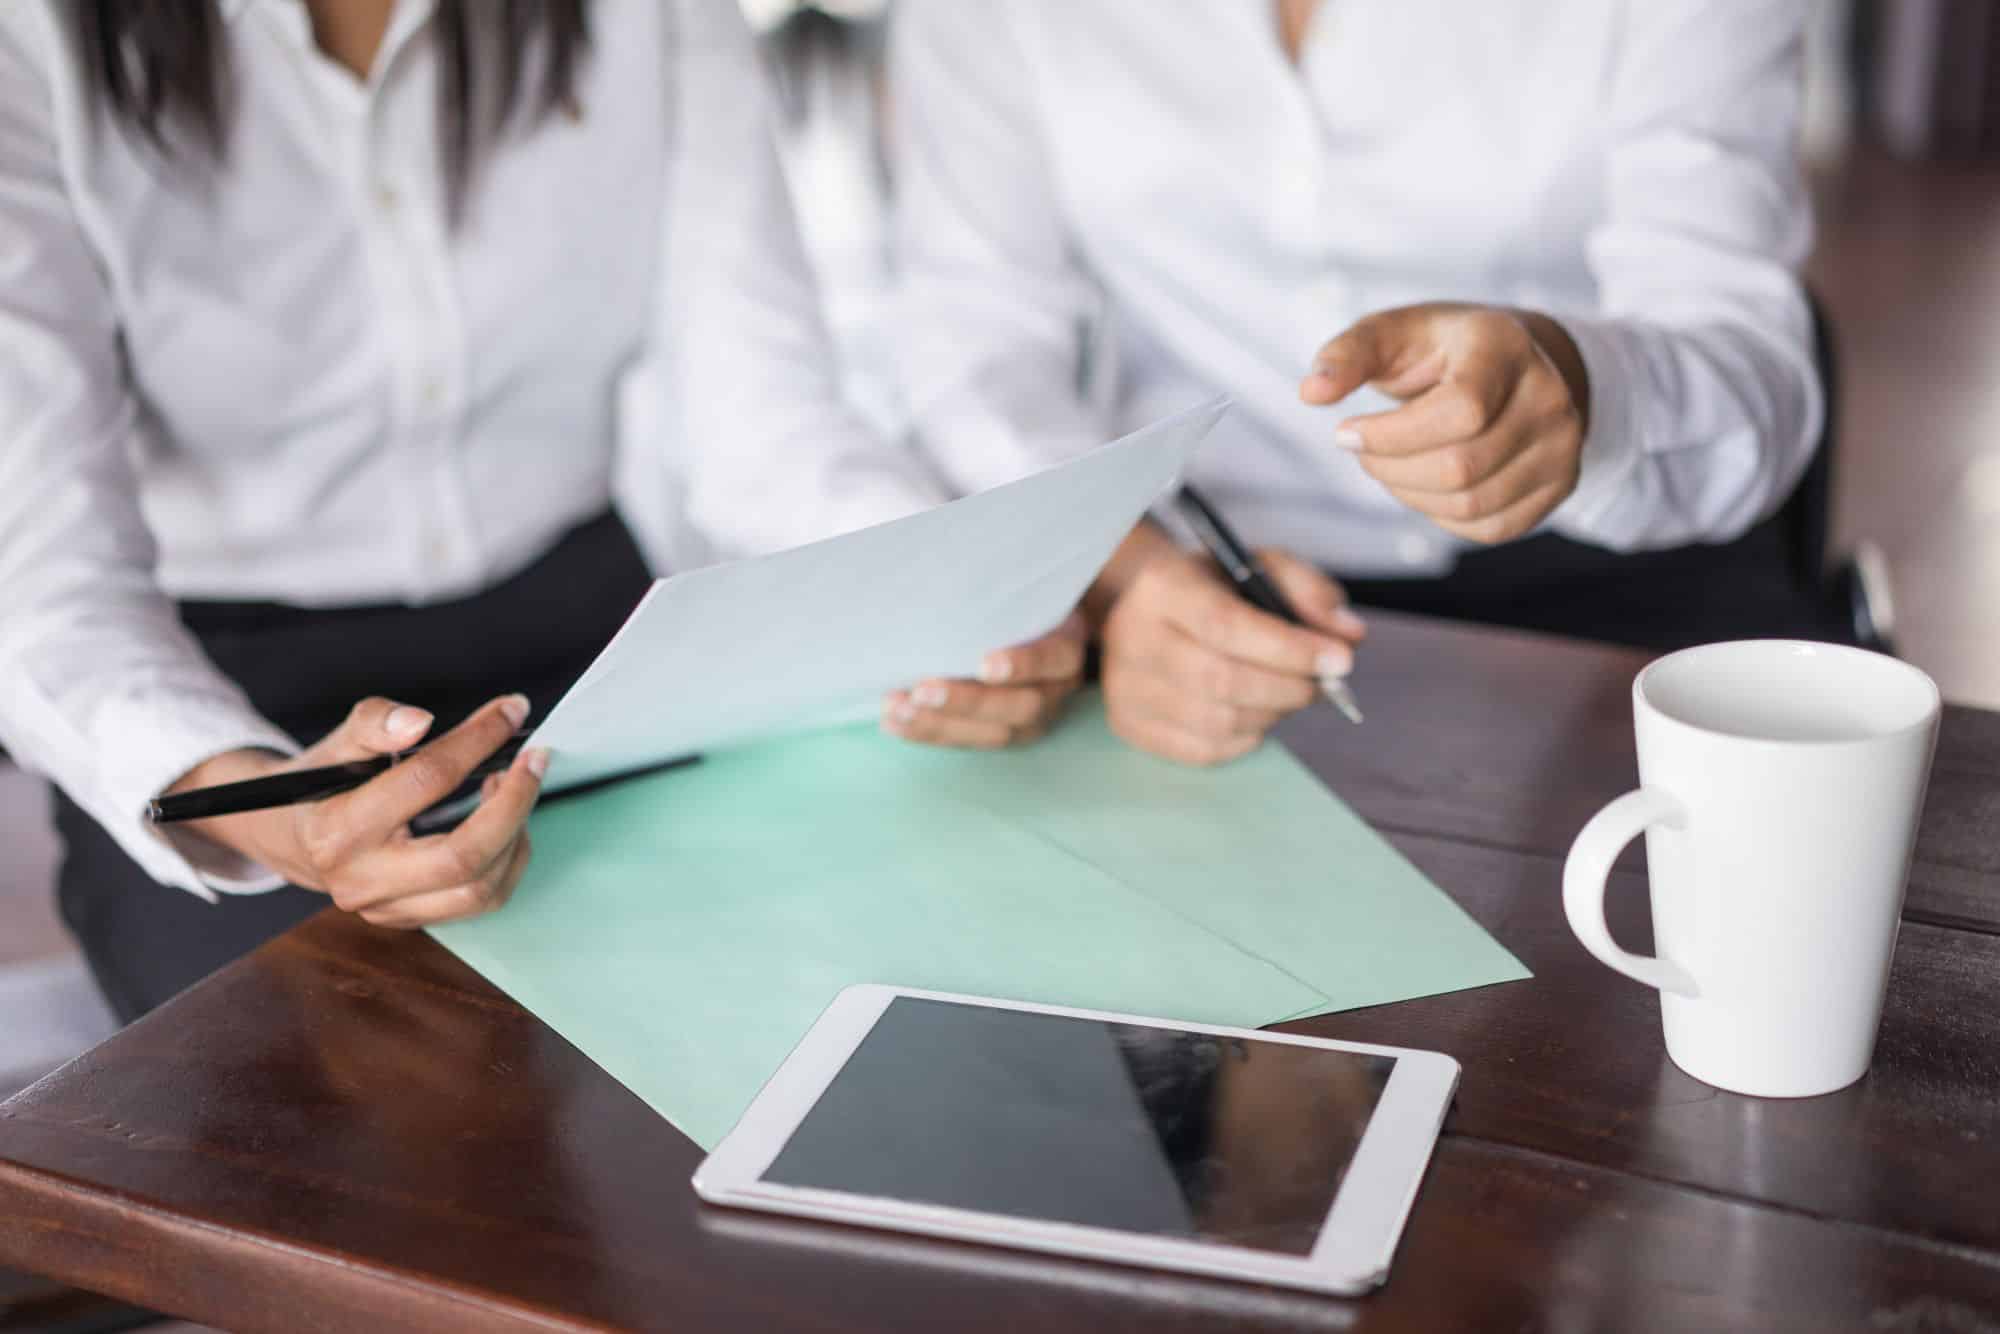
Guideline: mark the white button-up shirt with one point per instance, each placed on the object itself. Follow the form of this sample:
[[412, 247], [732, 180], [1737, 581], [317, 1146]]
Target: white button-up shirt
[[1111, 207], [291, 378]]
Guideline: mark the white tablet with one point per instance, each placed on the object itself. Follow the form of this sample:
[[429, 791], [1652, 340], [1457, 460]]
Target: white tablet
[[1218, 1151]]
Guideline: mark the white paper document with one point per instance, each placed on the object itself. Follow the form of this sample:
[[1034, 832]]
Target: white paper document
[[819, 633]]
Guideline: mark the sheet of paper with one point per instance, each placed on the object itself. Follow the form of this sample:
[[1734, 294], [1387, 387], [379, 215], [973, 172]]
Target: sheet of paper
[[684, 930], [818, 633]]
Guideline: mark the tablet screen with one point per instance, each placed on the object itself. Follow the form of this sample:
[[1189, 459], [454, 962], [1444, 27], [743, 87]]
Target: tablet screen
[[1050, 1117]]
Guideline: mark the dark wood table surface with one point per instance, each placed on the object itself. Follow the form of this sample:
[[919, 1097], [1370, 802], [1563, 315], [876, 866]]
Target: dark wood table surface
[[350, 1130]]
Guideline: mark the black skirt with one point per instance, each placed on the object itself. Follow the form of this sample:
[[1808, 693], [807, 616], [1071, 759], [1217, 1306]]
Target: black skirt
[[303, 669]]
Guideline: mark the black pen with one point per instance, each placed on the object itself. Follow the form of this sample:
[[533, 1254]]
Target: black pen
[[1253, 582], [301, 785]]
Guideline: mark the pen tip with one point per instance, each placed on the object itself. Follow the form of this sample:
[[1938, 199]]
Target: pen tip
[[1342, 698]]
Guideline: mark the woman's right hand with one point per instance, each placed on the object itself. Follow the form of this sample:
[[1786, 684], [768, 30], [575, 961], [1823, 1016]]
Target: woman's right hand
[[1196, 674], [356, 847]]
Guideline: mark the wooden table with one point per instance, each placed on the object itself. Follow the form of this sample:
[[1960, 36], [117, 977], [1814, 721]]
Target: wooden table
[[350, 1130]]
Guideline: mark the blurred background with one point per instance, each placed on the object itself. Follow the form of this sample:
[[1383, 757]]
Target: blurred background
[[1903, 137]]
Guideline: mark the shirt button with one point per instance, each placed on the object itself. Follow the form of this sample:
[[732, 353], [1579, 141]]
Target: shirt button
[[431, 391], [386, 197], [1413, 549], [437, 550]]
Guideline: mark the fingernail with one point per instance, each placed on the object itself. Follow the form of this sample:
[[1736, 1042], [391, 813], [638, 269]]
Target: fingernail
[[903, 711], [1349, 439], [996, 668], [930, 694], [514, 709], [1349, 622], [537, 760], [407, 721], [1333, 662]]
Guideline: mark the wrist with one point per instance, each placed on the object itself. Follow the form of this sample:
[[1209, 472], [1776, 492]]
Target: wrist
[[237, 834], [1561, 350], [1145, 544]]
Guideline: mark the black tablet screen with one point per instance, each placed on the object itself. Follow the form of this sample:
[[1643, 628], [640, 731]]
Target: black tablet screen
[[1073, 1120]]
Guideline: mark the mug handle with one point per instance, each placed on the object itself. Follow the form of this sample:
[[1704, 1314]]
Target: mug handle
[[1590, 859]]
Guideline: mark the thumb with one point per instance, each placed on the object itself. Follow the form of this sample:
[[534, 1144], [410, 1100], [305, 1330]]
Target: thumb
[[1319, 600], [375, 726], [1075, 627], [1056, 656]]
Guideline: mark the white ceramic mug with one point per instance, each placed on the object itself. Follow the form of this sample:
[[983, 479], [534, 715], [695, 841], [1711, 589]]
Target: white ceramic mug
[[1780, 785]]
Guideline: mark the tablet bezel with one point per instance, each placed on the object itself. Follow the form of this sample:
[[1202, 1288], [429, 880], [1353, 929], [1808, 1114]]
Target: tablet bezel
[[1350, 1255]]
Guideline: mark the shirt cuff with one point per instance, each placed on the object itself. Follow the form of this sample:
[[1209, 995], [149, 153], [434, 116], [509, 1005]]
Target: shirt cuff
[[155, 744], [1614, 444]]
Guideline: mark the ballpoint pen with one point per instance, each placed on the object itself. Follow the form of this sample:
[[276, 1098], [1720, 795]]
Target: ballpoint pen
[[302, 785], [1253, 583]]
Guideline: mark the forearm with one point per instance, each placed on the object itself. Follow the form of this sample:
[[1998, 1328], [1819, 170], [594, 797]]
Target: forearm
[[1696, 433], [1705, 403]]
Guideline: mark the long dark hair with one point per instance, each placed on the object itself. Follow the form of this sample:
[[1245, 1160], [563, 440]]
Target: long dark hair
[[161, 68]]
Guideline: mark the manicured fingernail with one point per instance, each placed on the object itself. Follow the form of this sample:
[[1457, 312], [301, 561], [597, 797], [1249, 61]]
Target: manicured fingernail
[[930, 694], [407, 721], [1334, 663], [514, 709], [537, 760], [1349, 439], [998, 667]]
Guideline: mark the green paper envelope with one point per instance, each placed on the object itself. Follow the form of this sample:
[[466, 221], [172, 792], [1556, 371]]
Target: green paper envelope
[[1259, 852], [684, 930]]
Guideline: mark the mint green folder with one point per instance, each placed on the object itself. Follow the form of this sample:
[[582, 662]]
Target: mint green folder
[[684, 930]]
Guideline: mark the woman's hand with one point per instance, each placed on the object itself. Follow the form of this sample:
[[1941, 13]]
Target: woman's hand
[[355, 847], [1020, 691], [1194, 673], [1489, 438]]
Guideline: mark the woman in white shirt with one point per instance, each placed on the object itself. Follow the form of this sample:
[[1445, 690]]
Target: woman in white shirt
[[1557, 239], [315, 321]]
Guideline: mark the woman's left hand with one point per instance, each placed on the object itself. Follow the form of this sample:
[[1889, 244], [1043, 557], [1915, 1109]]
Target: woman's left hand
[[1020, 691], [1496, 404]]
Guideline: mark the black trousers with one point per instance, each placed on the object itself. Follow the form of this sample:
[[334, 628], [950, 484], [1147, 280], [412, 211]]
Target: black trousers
[[1660, 600], [303, 669]]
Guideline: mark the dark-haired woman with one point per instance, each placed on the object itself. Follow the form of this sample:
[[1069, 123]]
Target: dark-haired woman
[[315, 321]]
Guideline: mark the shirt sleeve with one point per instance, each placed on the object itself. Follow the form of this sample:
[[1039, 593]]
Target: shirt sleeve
[[993, 311], [1705, 402], [772, 453], [101, 687]]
